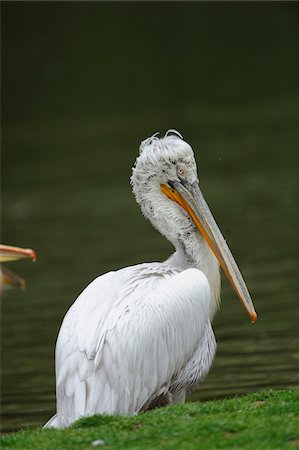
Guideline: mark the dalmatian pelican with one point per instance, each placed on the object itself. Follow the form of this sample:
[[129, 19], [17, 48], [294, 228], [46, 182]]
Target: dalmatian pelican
[[141, 336]]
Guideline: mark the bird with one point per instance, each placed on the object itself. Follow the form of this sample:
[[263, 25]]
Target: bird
[[141, 337], [10, 253]]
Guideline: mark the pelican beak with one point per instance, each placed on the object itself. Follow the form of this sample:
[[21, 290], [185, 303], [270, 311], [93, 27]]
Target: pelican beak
[[11, 279], [9, 253], [189, 197]]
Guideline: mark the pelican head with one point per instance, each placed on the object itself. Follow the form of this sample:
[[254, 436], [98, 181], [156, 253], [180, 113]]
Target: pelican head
[[166, 186]]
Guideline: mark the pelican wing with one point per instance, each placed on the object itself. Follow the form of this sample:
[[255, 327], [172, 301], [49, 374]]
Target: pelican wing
[[127, 336]]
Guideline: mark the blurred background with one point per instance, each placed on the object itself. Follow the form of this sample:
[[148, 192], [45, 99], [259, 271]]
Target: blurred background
[[82, 85]]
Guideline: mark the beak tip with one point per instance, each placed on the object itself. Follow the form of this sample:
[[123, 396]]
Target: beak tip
[[253, 316], [33, 255]]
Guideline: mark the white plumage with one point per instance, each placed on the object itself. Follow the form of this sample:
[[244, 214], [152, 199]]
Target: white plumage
[[141, 336]]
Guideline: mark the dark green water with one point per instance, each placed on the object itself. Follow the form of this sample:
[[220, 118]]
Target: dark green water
[[81, 86]]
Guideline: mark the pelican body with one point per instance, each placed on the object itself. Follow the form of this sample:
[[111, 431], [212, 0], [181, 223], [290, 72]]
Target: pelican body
[[141, 337]]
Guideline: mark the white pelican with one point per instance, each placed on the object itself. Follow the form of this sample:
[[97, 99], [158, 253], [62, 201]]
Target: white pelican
[[141, 337]]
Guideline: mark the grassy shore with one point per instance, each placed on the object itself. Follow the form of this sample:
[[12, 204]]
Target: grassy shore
[[266, 420]]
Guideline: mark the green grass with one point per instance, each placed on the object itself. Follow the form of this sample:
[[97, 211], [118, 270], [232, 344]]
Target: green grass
[[266, 420]]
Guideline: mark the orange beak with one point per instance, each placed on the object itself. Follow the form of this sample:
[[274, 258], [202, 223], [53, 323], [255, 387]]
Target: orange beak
[[191, 199]]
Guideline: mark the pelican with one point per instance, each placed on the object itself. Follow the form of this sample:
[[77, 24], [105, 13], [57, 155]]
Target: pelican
[[141, 337]]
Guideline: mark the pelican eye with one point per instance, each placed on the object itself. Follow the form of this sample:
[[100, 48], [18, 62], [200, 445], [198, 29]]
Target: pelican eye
[[181, 172]]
